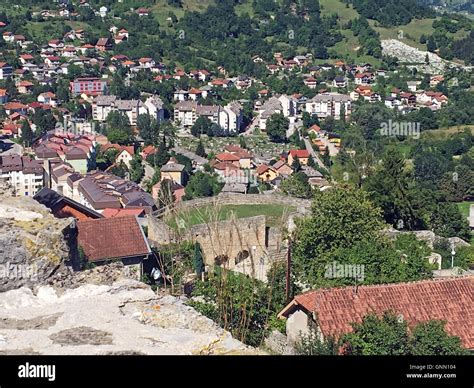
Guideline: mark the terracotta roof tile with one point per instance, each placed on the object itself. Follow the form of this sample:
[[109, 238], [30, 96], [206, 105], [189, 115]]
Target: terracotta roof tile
[[110, 238], [450, 300]]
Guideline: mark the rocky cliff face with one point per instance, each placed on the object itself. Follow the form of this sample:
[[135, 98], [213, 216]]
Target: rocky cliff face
[[32, 244]]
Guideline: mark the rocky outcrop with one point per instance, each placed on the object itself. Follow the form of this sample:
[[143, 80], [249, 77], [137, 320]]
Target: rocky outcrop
[[32, 242], [126, 317], [411, 55], [428, 236]]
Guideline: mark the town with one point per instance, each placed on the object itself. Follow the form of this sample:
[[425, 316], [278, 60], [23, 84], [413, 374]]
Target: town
[[335, 185]]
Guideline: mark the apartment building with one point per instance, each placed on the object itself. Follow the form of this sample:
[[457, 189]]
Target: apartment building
[[103, 105], [100, 190], [229, 117], [90, 86], [23, 174], [329, 104]]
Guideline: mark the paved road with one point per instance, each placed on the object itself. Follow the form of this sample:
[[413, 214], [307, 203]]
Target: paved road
[[8, 147], [313, 153]]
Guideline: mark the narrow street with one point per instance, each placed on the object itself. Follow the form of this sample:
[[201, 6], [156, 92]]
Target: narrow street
[[313, 153]]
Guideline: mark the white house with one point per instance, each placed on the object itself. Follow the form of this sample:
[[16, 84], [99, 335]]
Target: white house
[[48, 98], [103, 11], [329, 104]]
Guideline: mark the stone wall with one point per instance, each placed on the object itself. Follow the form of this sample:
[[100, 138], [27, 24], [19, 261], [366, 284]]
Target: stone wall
[[302, 205], [232, 241], [244, 245]]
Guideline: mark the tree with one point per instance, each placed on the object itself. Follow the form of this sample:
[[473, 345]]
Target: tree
[[202, 185], [118, 128], [431, 44], [374, 336], [312, 345], [137, 171], [327, 157], [148, 127], [447, 221], [27, 135], [277, 126], [392, 189], [430, 339], [200, 149], [201, 126], [340, 217], [297, 186], [198, 261], [296, 165], [388, 335]]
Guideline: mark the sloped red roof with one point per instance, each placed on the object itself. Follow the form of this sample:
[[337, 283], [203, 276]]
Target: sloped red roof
[[300, 153], [233, 148], [109, 238], [264, 168], [113, 213], [225, 156], [450, 300]]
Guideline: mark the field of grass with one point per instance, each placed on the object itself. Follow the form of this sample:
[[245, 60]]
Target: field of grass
[[162, 9], [347, 50], [329, 7], [464, 208], [244, 7], [205, 214], [443, 133]]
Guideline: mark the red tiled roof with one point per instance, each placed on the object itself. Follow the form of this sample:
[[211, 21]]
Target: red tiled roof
[[110, 238], [15, 106], [233, 148], [149, 149], [263, 168], [112, 213], [447, 299], [225, 156], [299, 153], [225, 166]]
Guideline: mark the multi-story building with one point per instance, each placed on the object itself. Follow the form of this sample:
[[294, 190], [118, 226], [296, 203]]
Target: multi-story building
[[103, 105], [229, 117], [90, 86], [329, 104], [100, 190], [5, 70], [75, 150], [25, 175]]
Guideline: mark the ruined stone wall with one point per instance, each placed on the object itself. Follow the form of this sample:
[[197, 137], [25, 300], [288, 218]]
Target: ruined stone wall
[[230, 242]]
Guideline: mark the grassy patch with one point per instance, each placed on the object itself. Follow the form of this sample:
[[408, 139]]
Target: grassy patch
[[205, 214], [464, 208], [162, 9], [344, 13], [245, 7], [443, 133]]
